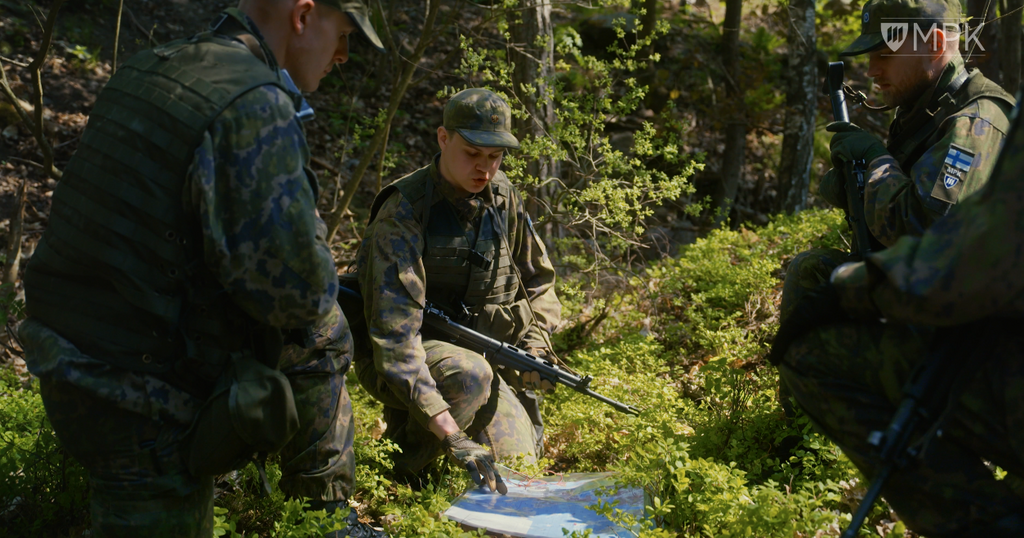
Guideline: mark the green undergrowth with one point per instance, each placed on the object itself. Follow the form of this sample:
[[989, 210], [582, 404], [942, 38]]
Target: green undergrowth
[[684, 341]]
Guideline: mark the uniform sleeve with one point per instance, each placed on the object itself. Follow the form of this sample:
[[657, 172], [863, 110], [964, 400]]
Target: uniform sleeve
[[262, 238], [957, 165], [538, 274], [964, 268], [393, 282]]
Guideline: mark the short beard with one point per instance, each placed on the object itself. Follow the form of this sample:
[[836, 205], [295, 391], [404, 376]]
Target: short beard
[[907, 96]]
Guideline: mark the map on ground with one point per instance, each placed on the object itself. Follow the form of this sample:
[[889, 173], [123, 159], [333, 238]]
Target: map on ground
[[542, 507]]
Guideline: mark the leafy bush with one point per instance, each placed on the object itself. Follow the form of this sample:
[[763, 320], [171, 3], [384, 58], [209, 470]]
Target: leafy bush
[[42, 490], [683, 341]]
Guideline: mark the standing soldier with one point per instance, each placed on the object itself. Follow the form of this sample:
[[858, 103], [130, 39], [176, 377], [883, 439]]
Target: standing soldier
[[456, 233], [182, 313], [948, 129], [846, 369]]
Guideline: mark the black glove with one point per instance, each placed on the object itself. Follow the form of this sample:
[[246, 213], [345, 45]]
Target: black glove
[[851, 143], [476, 459], [818, 307], [833, 188]]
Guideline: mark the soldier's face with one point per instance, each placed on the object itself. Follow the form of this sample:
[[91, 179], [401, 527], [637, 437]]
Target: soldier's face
[[467, 167], [320, 41], [901, 77]]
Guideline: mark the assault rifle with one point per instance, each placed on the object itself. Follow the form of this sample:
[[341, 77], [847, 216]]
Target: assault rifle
[[854, 189], [930, 392], [495, 351], [501, 354]]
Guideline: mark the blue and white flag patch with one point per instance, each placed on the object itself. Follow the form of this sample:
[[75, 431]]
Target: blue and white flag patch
[[955, 167], [959, 158]]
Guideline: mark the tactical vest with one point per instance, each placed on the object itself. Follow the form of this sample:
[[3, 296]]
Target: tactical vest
[[920, 132], [119, 270], [472, 268]]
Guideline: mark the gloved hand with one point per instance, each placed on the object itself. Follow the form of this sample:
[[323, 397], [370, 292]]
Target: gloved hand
[[531, 380], [833, 188], [851, 143], [476, 459], [820, 306]]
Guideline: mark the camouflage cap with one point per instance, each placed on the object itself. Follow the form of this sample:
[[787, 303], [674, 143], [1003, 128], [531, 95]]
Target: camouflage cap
[[481, 117], [360, 15], [893, 14]]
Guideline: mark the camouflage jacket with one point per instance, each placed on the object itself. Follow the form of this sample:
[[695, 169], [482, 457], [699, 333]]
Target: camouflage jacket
[[249, 189], [908, 198], [393, 282], [965, 267]]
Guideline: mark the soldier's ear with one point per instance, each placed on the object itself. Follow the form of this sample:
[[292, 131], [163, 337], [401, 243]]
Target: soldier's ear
[[301, 12], [442, 137]]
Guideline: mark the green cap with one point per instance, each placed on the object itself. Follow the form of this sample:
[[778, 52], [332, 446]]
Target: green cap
[[481, 117], [360, 16], [898, 19]]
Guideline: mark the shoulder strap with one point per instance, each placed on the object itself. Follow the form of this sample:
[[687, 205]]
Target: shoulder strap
[[908, 147]]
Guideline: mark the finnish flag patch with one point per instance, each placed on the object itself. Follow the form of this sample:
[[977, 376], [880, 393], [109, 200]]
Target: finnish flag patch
[[954, 171]]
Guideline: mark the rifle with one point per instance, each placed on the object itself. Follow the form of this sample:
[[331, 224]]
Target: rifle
[[495, 351], [927, 396], [854, 189]]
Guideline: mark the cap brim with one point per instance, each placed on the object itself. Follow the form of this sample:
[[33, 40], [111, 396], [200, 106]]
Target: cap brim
[[363, 22], [863, 44], [489, 139]]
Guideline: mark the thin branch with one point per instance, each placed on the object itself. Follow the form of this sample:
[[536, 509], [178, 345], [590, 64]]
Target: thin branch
[[117, 36], [427, 37], [14, 235], [25, 161], [6, 87], [37, 79], [15, 62], [139, 27]]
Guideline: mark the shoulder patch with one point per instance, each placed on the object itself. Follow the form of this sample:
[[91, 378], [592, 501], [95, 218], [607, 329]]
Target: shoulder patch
[[954, 171]]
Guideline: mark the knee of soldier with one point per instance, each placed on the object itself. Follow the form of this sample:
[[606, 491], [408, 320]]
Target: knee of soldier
[[815, 266], [466, 376]]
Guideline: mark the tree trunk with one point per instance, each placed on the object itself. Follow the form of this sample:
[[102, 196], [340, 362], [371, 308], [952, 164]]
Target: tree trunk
[[533, 53], [801, 100], [1010, 44], [986, 55], [735, 125]]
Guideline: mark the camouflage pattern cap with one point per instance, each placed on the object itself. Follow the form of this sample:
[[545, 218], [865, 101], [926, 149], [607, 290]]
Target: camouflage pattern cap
[[360, 15], [896, 13], [481, 117]]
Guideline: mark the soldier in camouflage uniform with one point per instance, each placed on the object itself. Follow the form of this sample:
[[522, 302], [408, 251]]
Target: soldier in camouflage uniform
[[948, 129], [183, 245], [847, 375], [455, 233]]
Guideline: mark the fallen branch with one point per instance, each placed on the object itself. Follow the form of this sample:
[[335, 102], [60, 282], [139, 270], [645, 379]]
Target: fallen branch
[[324, 164], [15, 62]]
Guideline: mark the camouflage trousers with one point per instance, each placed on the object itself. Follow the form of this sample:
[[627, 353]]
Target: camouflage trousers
[[140, 484], [482, 404], [848, 378], [806, 271]]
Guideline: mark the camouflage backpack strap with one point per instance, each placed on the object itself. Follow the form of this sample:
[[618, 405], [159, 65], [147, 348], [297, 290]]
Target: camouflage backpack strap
[[914, 140], [908, 146]]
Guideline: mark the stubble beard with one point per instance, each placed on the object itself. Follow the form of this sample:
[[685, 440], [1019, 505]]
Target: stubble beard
[[906, 95]]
